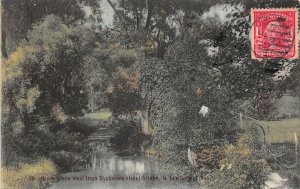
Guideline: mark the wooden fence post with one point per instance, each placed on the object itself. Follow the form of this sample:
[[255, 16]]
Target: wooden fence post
[[296, 149], [241, 120]]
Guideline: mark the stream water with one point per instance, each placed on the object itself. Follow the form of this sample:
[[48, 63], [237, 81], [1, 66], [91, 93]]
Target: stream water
[[109, 171]]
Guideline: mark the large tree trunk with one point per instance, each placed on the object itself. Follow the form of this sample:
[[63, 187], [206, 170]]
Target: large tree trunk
[[3, 35], [145, 122], [150, 5], [3, 44]]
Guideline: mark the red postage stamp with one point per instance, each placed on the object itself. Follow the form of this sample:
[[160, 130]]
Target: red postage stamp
[[274, 33]]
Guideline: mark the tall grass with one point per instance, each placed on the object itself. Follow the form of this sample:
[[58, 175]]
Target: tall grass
[[28, 175]]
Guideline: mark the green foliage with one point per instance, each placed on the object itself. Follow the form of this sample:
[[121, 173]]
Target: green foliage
[[49, 89], [278, 3], [292, 83], [62, 69], [19, 17], [153, 25], [123, 91], [124, 58], [128, 137], [58, 63], [65, 160], [210, 157], [240, 167], [177, 88]]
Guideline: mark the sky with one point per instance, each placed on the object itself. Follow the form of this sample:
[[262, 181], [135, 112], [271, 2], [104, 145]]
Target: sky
[[107, 12]]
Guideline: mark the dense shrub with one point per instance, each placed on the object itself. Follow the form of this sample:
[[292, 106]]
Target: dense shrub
[[129, 136], [241, 168], [65, 160], [210, 157]]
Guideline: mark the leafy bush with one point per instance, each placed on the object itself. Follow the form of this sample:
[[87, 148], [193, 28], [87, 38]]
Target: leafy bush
[[129, 136], [66, 160], [294, 179], [241, 168], [210, 157]]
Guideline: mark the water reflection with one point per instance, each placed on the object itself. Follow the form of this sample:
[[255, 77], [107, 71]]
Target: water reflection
[[108, 170]]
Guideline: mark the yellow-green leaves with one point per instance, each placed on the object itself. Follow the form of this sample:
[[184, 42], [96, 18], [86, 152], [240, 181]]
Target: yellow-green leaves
[[19, 179], [11, 67], [58, 114], [124, 58], [17, 127], [27, 102]]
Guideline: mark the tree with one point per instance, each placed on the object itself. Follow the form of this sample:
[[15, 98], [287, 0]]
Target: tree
[[181, 85], [19, 16], [123, 91], [152, 25], [45, 85], [128, 137]]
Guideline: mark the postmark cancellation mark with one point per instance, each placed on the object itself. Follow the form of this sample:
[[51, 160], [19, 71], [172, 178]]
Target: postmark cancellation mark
[[274, 33]]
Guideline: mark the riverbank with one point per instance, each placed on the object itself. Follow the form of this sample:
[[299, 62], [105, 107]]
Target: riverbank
[[112, 171], [27, 176]]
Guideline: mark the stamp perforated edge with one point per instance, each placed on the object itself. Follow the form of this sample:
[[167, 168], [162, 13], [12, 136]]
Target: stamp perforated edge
[[272, 10]]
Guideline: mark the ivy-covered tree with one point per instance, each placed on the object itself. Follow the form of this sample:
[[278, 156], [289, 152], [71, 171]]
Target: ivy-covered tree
[[209, 66]]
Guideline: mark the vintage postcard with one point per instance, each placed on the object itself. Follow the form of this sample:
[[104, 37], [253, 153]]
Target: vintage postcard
[[150, 94]]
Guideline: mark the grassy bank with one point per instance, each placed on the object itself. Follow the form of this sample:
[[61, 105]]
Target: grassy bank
[[27, 176], [280, 131], [98, 115]]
